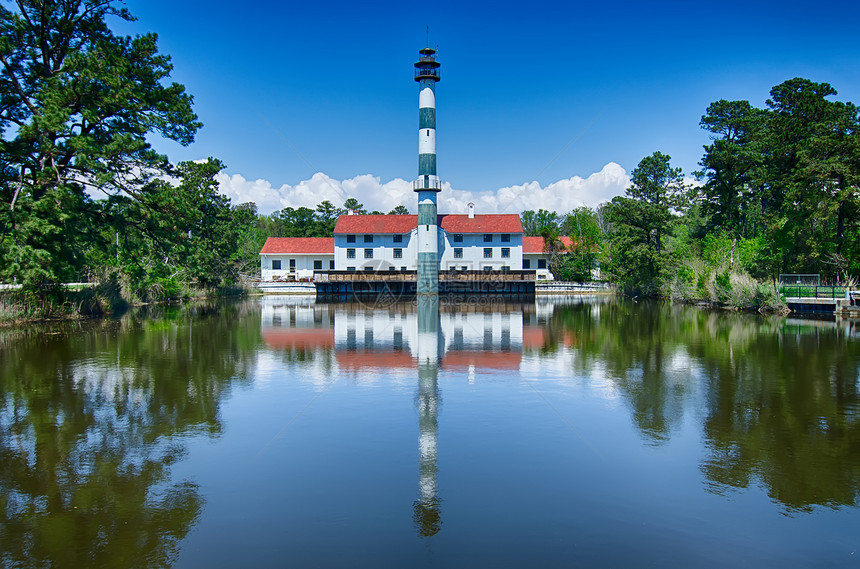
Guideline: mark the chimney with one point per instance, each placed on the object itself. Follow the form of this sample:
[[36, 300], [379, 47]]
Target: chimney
[[471, 210]]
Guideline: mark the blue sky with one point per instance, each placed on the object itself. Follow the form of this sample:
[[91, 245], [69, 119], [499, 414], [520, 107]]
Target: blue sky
[[533, 94]]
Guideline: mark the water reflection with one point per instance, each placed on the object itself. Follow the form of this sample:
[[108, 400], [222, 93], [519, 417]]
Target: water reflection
[[426, 510], [776, 399], [779, 397], [92, 416], [354, 337], [423, 336]]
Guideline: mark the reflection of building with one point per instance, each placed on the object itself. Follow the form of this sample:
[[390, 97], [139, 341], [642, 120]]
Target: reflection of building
[[356, 341], [358, 338], [426, 509]]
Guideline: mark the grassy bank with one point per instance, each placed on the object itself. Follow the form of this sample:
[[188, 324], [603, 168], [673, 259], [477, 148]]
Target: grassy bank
[[111, 296], [698, 283]]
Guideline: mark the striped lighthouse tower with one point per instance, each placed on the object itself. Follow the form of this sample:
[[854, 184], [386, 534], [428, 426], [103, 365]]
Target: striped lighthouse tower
[[427, 185]]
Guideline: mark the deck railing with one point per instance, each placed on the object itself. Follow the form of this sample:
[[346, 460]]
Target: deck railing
[[411, 276], [820, 291]]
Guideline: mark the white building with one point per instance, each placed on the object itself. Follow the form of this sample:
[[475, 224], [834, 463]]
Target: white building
[[466, 242], [295, 258], [388, 243], [535, 259]]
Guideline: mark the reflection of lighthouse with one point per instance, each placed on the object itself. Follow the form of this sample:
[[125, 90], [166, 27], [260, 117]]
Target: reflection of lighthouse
[[427, 515], [427, 184]]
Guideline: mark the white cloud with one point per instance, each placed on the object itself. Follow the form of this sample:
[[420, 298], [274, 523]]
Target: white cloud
[[561, 196]]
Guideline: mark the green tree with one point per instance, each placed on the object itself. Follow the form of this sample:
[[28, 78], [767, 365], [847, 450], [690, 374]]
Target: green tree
[[554, 249], [326, 217], [815, 172], [351, 204], [786, 178], [78, 104], [298, 222], [731, 196], [642, 220], [399, 210], [587, 237], [250, 238], [535, 221], [174, 234]]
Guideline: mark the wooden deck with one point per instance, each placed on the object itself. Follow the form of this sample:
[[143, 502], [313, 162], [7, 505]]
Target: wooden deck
[[412, 276], [343, 284], [847, 305]]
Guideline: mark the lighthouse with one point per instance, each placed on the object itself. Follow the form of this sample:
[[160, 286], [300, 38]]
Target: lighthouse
[[427, 185]]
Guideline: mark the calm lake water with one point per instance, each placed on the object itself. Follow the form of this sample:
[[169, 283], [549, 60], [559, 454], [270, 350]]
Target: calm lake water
[[586, 431]]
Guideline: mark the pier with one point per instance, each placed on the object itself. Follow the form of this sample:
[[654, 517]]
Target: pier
[[339, 284], [822, 299]]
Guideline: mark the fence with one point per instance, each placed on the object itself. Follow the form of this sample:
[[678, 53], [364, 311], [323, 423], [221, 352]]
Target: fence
[[806, 291]]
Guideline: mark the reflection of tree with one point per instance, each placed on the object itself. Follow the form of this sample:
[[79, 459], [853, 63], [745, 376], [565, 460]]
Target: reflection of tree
[[635, 345], [783, 410], [782, 399], [88, 425]]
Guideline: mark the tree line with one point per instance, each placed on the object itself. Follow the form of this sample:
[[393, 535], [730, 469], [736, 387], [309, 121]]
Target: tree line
[[777, 193], [85, 197]]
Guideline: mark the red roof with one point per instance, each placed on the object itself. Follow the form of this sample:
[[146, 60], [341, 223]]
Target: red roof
[[482, 360], [375, 224], [451, 360], [489, 223], [299, 245], [298, 338], [534, 245]]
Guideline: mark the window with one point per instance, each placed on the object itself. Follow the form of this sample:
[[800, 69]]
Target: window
[[350, 268], [488, 237], [488, 269], [292, 265], [458, 252], [506, 237], [331, 265], [463, 268], [541, 263], [398, 253], [398, 238], [488, 252], [391, 268], [350, 238], [402, 268], [527, 263], [317, 265], [350, 253], [368, 253], [458, 238], [368, 269], [506, 252], [276, 265], [506, 268], [368, 238]]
